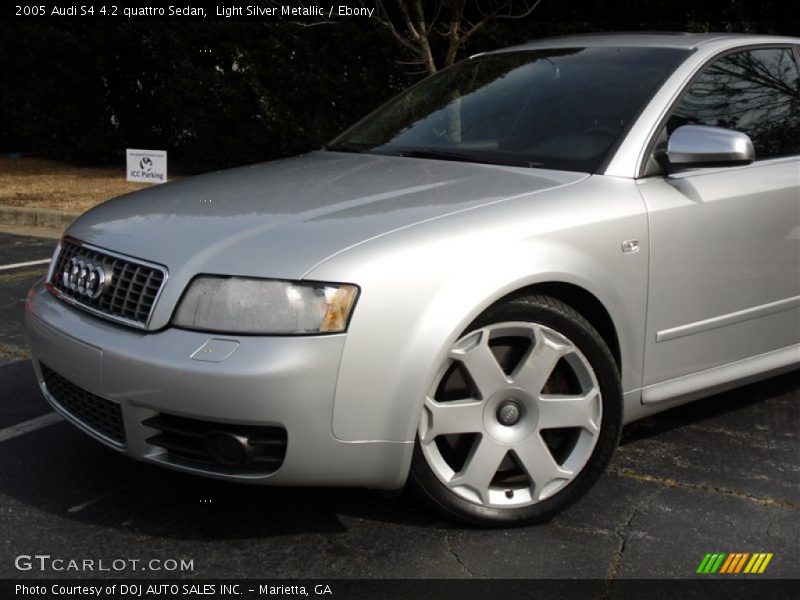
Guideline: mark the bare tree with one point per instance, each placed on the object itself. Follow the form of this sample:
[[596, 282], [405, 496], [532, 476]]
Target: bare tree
[[451, 20]]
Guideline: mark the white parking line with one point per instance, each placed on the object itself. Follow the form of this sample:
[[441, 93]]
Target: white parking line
[[80, 507], [30, 263], [9, 433]]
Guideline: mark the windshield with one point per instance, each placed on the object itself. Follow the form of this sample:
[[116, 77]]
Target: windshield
[[555, 109]]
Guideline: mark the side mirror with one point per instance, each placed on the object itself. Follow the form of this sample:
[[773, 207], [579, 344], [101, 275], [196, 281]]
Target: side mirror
[[703, 146]]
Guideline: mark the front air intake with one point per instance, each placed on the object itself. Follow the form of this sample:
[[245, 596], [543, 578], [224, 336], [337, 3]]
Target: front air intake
[[251, 448], [102, 416]]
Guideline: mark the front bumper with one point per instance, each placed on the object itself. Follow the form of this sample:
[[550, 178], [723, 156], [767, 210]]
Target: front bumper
[[289, 382]]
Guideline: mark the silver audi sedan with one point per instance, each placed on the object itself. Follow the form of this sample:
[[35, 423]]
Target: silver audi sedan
[[471, 290]]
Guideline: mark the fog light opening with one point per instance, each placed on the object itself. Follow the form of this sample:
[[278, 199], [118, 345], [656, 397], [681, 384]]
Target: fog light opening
[[228, 449]]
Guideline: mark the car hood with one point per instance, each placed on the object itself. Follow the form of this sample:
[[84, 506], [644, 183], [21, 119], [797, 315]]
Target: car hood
[[280, 219]]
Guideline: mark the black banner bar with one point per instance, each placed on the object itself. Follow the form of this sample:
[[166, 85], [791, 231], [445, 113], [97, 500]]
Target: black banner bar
[[701, 588]]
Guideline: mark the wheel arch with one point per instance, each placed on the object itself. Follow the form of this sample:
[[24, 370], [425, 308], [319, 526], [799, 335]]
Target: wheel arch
[[583, 301]]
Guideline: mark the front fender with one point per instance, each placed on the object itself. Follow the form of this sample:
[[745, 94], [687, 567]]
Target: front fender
[[422, 286]]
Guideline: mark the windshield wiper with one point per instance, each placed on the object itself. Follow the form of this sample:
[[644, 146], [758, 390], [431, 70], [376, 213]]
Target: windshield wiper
[[437, 153], [345, 148]]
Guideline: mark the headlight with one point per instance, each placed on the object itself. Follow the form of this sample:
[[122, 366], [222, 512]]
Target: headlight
[[244, 305]]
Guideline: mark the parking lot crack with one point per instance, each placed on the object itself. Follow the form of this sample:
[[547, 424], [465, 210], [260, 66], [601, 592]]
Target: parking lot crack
[[15, 353], [449, 542], [697, 487], [623, 534], [582, 529], [769, 527]]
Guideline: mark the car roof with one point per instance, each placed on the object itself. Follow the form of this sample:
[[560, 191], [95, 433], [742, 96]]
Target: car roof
[[686, 41]]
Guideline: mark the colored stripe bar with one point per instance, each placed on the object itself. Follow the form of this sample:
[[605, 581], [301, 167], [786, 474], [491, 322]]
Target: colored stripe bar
[[717, 563], [740, 564], [754, 563], [703, 563], [765, 563], [730, 564], [734, 563], [727, 564]]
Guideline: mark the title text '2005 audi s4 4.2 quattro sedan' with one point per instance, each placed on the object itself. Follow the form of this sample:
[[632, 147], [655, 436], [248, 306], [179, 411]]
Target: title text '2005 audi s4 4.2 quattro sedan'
[[470, 290]]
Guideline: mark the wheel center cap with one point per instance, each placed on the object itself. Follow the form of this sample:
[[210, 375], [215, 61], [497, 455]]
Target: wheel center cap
[[508, 413]]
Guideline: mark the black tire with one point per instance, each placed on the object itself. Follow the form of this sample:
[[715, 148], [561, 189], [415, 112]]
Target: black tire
[[560, 317]]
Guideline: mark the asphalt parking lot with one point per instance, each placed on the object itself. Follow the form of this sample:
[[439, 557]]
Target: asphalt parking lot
[[719, 475]]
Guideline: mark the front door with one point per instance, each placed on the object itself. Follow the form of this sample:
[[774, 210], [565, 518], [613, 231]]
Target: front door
[[725, 242]]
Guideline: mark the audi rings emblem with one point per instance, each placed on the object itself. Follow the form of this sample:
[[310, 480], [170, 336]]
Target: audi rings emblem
[[83, 278]]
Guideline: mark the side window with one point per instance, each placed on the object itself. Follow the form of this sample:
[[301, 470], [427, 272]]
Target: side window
[[754, 91]]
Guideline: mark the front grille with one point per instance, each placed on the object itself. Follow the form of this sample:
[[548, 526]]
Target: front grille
[[130, 291], [98, 414], [185, 440]]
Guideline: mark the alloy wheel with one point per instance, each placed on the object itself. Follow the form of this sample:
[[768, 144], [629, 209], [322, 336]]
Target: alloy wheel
[[513, 417]]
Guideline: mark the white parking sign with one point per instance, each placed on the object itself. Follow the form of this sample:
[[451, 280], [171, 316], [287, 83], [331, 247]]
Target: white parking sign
[[146, 166]]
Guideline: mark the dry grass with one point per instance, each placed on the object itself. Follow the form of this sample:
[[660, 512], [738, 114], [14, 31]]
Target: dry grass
[[38, 183]]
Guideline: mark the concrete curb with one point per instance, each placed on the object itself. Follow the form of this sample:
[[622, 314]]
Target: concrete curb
[[36, 218]]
